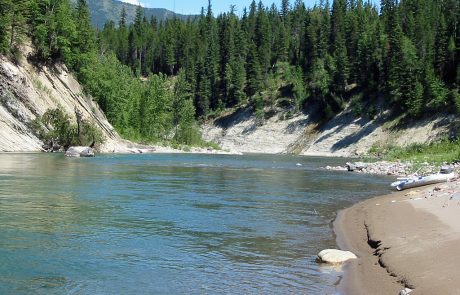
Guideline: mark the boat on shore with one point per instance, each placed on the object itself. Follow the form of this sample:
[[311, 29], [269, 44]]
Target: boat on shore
[[411, 182]]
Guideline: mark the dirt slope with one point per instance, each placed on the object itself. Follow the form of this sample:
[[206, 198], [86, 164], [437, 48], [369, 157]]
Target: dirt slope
[[27, 91], [242, 132], [345, 135]]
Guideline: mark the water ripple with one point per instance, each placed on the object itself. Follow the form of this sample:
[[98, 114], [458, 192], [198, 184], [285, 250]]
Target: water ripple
[[169, 224]]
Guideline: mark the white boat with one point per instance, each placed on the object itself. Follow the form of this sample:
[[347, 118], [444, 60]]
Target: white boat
[[410, 182]]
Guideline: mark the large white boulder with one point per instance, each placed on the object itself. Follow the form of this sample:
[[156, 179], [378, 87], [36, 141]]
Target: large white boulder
[[80, 151], [406, 291], [334, 256]]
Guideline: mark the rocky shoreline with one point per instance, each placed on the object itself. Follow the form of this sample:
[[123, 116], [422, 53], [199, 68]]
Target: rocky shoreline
[[399, 169]]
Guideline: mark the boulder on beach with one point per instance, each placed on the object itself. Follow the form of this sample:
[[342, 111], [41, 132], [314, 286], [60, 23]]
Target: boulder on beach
[[334, 256], [80, 151], [406, 291]]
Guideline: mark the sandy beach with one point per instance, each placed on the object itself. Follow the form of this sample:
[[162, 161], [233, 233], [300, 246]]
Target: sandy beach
[[405, 239]]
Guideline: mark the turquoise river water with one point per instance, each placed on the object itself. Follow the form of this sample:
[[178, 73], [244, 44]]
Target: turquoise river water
[[171, 224]]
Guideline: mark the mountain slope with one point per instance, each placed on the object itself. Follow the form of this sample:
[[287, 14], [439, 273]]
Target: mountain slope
[[110, 10]]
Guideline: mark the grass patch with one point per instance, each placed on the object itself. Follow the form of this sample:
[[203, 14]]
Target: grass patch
[[201, 144], [435, 153], [40, 86]]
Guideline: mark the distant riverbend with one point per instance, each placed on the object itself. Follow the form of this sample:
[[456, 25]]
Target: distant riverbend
[[171, 223]]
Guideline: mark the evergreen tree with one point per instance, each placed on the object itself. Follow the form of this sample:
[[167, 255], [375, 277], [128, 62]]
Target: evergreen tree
[[54, 29], [263, 39], [18, 25], [338, 45], [183, 112], [280, 44], [123, 44], [253, 71], [297, 22], [5, 24], [285, 7], [84, 43]]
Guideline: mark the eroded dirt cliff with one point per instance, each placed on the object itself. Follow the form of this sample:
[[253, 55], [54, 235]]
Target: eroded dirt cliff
[[28, 91], [345, 135]]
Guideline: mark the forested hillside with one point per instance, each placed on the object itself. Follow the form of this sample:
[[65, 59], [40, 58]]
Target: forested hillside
[[408, 53], [153, 77], [103, 11]]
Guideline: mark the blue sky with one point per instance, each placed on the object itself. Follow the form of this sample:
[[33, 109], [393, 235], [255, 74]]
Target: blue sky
[[194, 6]]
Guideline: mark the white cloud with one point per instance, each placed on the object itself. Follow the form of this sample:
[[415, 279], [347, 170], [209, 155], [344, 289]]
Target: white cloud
[[134, 2]]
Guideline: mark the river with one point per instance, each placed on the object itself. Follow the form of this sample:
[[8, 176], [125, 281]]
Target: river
[[171, 223]]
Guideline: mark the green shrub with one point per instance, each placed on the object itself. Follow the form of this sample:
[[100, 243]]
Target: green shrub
[[454, 97], [55, 127], [437, 152]]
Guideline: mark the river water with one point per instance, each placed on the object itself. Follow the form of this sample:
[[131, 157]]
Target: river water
[[171, 224]]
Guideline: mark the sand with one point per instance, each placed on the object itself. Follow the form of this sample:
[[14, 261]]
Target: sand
[[406, 239]]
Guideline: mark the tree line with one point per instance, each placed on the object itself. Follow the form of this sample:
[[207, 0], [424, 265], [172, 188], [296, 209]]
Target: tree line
[[151, 76]]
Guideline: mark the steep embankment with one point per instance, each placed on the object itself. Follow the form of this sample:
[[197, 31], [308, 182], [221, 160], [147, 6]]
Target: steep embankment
[[242, 132], [27, 91], [345, 135]]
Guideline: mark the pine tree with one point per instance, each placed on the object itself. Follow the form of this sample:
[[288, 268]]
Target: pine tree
[[123, 46], [85, 32], [253, 72], [54, 29], [169, 51], [285, 7], [84, 43], [211, 59], [338, 45], [280, 43], [18, 27], [203, 90], [297, 21], [227, 53], [108, 37], [5, 23], [263, 39], [183, 111]]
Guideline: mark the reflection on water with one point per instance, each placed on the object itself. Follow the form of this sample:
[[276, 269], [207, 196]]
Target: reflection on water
[[150, 224]]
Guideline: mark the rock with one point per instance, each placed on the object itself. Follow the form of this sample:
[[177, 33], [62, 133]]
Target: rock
[[446, 169], [56, 147], [87, 153], [356, 166], [351, 167], [47, 148], [333, 256], [406, 291], [80, 151], [455, 196]]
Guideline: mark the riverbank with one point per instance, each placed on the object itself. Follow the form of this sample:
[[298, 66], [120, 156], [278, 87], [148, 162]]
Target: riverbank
[[128, 147], [405, 239]]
